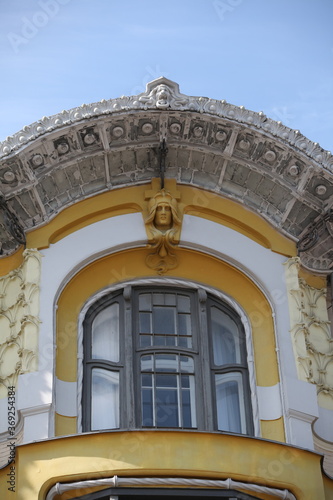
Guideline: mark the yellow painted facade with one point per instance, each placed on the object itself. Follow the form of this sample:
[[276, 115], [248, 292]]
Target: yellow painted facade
[[265, 462], [180, 454]]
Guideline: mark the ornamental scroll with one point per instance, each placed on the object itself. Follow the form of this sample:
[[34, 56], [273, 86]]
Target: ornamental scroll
[[163, 225]]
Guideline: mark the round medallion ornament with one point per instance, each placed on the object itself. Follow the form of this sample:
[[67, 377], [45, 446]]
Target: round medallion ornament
[[293, 170], [37, 160], [175, 128], [63, 148], [197, 131], [9, 176], [220, 135], [89, 139], [321, 189], [244, 145], [270, 156], [117, 132], [147, 128]]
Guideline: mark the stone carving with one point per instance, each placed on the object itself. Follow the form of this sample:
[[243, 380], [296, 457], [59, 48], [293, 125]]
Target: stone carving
[[164, 94], [311, 336], [19, 320], [163, 225]]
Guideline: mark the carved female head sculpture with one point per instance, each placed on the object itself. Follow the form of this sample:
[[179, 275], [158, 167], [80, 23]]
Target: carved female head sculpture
[[163, 227]]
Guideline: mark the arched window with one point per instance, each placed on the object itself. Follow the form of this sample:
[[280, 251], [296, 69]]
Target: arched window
[[163, 357]]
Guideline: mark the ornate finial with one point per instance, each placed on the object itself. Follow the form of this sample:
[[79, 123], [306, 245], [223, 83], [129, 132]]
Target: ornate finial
[[163, 225]]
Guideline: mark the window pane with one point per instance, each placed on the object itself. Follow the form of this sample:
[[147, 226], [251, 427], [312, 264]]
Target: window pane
[[164, 320], [158, 299], [147, 363], [186, 364], [188, 401], [147, 407], [166, 362], [183, 303], [145, 302], [230, 402], [185, 342], [167, 407], [168, 394], [105, 399], [184, 324], [105, 334], [225, 338], [170, 299], [145, 319], [145, 340]]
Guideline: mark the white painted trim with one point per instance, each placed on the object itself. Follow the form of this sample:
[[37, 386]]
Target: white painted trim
[[66, 397], [269, 402]]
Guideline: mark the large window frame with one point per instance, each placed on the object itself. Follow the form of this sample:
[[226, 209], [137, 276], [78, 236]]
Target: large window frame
[[202, 352]]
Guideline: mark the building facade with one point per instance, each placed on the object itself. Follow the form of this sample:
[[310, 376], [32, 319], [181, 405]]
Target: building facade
[[165, 304]]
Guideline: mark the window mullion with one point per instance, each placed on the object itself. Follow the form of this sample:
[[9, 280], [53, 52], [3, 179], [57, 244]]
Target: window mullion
[[206, 398], [128, 408]]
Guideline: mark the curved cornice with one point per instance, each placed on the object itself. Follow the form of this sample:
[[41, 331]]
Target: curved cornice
[[227, 150], [164, 94]]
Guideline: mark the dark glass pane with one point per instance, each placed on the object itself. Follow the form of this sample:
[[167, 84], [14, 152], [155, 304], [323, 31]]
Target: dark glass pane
[[170, 340], [163, 380], [184, 324], [185, 381], [164, 320], [145, 340], [185, 342], [144, 319], [147, 407], [186, 407], [167, 408], [159, 340], [147, 380]]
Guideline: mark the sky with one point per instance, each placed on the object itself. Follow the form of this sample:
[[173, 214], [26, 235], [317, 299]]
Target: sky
[[274, 56]]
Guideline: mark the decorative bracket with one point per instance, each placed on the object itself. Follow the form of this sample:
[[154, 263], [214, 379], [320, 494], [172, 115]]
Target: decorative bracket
[[12, 223]]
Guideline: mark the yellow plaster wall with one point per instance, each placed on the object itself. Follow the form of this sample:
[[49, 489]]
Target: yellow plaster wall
[[192, 265], [193, 201], [19, 320], [180, 454]]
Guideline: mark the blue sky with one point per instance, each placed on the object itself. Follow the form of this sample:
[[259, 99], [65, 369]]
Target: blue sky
[[274, 56]]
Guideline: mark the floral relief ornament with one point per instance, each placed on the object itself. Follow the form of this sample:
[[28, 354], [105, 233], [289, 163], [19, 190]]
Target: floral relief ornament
[[163, 225]]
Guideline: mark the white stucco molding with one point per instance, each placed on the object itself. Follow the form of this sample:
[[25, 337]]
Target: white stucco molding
[[65, 398], [269, 401], [164, 94]]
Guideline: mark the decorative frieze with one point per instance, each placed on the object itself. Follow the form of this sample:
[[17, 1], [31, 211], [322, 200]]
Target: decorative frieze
[[311, 333], [19, 320], [211, 144]]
